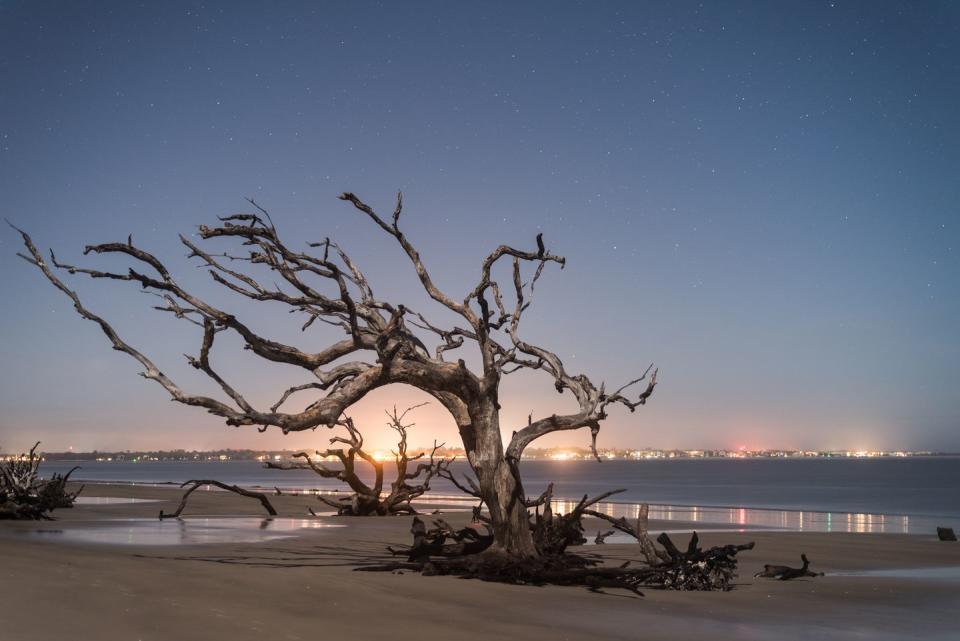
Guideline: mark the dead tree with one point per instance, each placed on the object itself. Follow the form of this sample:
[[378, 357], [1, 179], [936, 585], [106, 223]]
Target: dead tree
[[24, 495], [786, 573], [368, 499], [327, 285], [195, 484]]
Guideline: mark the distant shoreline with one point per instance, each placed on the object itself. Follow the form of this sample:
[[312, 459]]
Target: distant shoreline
[[55, 457]]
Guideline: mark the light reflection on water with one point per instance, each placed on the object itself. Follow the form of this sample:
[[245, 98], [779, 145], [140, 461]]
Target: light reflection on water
[[752, 518], [760, 518], [187, 531], [803, 521], [949, 573]]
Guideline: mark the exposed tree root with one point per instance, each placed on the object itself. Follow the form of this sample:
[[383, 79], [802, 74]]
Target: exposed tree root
[[26, 496], [230, 488], [442, 550]]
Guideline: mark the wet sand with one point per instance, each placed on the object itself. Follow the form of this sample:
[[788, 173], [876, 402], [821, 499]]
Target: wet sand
[[303, 586]]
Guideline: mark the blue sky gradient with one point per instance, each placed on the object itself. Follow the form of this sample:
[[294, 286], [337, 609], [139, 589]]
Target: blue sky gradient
[[762, 198]]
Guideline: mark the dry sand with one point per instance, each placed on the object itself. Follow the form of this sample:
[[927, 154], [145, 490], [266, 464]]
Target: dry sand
[[304, 587]]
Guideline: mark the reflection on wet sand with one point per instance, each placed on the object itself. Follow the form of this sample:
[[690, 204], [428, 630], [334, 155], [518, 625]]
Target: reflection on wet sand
[[111, 500]]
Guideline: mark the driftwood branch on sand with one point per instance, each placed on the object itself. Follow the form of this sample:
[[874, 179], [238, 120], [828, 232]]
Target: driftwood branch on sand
[[195, 484], [786, 573]]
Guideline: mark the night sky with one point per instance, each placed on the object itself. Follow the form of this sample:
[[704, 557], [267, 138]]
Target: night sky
[[760, 197]]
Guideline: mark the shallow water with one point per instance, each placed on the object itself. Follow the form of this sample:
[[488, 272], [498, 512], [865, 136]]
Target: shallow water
[[799, 521], [111, 500], [683, 533], [187, 531], [949, 573], [911, 495]]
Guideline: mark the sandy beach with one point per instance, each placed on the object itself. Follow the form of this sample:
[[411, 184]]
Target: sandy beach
[[304, 586]]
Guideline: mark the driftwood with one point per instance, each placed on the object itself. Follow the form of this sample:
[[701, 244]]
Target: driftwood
[[407, 485], [24, 495], [946, 534], [651, 554], [472, 555], [786, 573], [554, 533], [264, 501], [433, 542], [383, 343], [601, 536]]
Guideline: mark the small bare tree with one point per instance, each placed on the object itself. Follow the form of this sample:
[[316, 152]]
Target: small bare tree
[[327, 285], [406, 486], [25, 495]]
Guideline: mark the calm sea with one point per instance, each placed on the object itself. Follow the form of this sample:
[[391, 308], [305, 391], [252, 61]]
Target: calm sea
[[861, 495]]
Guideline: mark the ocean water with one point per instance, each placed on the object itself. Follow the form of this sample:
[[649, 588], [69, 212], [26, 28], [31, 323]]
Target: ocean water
[[911, 495]]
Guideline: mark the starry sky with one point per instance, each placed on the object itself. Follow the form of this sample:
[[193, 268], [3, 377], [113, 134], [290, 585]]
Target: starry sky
[[760, 197]]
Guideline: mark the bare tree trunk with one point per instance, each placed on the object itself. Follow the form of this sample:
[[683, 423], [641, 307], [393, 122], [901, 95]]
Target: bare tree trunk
[[511, 528], [500, 485]]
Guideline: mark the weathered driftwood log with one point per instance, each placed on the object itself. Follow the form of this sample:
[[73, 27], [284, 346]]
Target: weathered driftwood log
[[946, 534], [25, 495], [195, 484], [786, 573], [370, 499]]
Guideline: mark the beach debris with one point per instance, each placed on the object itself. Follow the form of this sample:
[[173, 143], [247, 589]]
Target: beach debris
[[786, 573], [601, 536], [24, 495], [946, 534], [639, 531], [371, 499], [444, 550], [433, 542], [195, 484]]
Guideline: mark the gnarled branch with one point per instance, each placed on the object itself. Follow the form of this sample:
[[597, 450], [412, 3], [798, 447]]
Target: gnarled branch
[[195, 484]]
